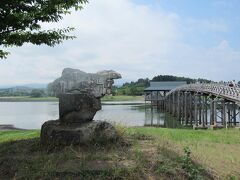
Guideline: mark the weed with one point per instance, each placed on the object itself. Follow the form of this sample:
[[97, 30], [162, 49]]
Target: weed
[[232, 178], [188, 166], [141, 136]]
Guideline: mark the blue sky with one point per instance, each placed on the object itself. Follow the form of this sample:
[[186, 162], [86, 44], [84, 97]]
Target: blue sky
[[225, 12], [139, 39]]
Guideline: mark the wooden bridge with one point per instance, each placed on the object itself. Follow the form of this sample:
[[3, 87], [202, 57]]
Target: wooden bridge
[[205, 105]]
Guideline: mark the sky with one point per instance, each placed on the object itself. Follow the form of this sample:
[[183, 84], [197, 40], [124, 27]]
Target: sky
[[139, 39]]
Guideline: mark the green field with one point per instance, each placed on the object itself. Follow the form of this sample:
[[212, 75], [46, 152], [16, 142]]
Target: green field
[[218, 150], [54, 99], [143, 153]]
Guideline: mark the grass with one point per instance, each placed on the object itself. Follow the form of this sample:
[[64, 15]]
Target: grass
[[7, 136], [147, 153], [189, 136], [217, 150], [122, 98], [54, 99], [136, 156]]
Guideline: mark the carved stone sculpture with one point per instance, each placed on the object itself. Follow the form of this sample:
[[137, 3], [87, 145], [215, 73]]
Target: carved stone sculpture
[[74, 80], [79, 99]]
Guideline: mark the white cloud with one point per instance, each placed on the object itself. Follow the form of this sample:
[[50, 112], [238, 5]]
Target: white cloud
[[135, 40], [207, 25]]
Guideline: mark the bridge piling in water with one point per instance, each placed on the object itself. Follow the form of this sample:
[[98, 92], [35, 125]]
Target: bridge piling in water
[[204, 106], [200, 105]]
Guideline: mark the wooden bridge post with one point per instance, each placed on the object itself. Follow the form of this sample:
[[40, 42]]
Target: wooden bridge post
[[200, 109], [190, 108], [169, 104], [229, 114], [151, 98], [205, 109], [211, 111], [166, 104], [173, 104], [178, 106], [214, 112], [165, 101], [185, 107], [234, 114], [195, 110], [223, 114], [182, 107]]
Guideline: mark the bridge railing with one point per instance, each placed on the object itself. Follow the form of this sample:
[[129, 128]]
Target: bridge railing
[[216, 89]]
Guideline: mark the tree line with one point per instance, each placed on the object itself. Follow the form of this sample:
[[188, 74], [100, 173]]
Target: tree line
[[136, 88], [23, 91]]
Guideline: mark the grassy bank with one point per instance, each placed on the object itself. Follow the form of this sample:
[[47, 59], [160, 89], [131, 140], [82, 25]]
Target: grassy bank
[[123, 98], [217, 150], [54, 99], [28, 99], [145, 153]]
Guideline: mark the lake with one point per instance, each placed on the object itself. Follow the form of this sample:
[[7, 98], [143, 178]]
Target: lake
[[31, 115]]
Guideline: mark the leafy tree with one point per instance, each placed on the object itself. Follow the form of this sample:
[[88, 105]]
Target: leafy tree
[[37, 93], [133, 90], [176, 78], [20, 22]]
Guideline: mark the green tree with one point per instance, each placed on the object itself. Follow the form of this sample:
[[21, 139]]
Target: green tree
[[20, 22], [37, 93], [133, 90]]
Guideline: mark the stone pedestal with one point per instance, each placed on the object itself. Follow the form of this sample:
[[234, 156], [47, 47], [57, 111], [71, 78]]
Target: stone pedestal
[[76, 125], [54, 134]]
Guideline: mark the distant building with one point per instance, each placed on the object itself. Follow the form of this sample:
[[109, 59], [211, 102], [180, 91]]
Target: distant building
[[158, 90]]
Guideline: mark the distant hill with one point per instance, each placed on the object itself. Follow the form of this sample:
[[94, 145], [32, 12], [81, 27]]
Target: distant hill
[[25, 90]]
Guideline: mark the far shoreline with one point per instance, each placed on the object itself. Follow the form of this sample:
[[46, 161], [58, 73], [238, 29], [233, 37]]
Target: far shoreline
[[54, 99], [10, 127]]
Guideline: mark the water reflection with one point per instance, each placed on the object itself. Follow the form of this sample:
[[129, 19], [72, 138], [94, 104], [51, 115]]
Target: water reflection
[[158, 117], [31, 115]]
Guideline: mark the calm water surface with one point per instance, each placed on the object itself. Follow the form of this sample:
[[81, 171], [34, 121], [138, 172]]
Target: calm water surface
[[31, 115]]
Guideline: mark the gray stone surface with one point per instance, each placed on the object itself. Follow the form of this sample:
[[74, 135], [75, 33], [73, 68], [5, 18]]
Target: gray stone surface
[[79, 99], [74, 80], [54, 134], [78, 108]]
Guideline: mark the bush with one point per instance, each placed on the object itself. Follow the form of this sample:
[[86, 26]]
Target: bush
[[37, 93]]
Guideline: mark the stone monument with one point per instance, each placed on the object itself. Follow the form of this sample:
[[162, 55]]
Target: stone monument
[[79, 99]]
